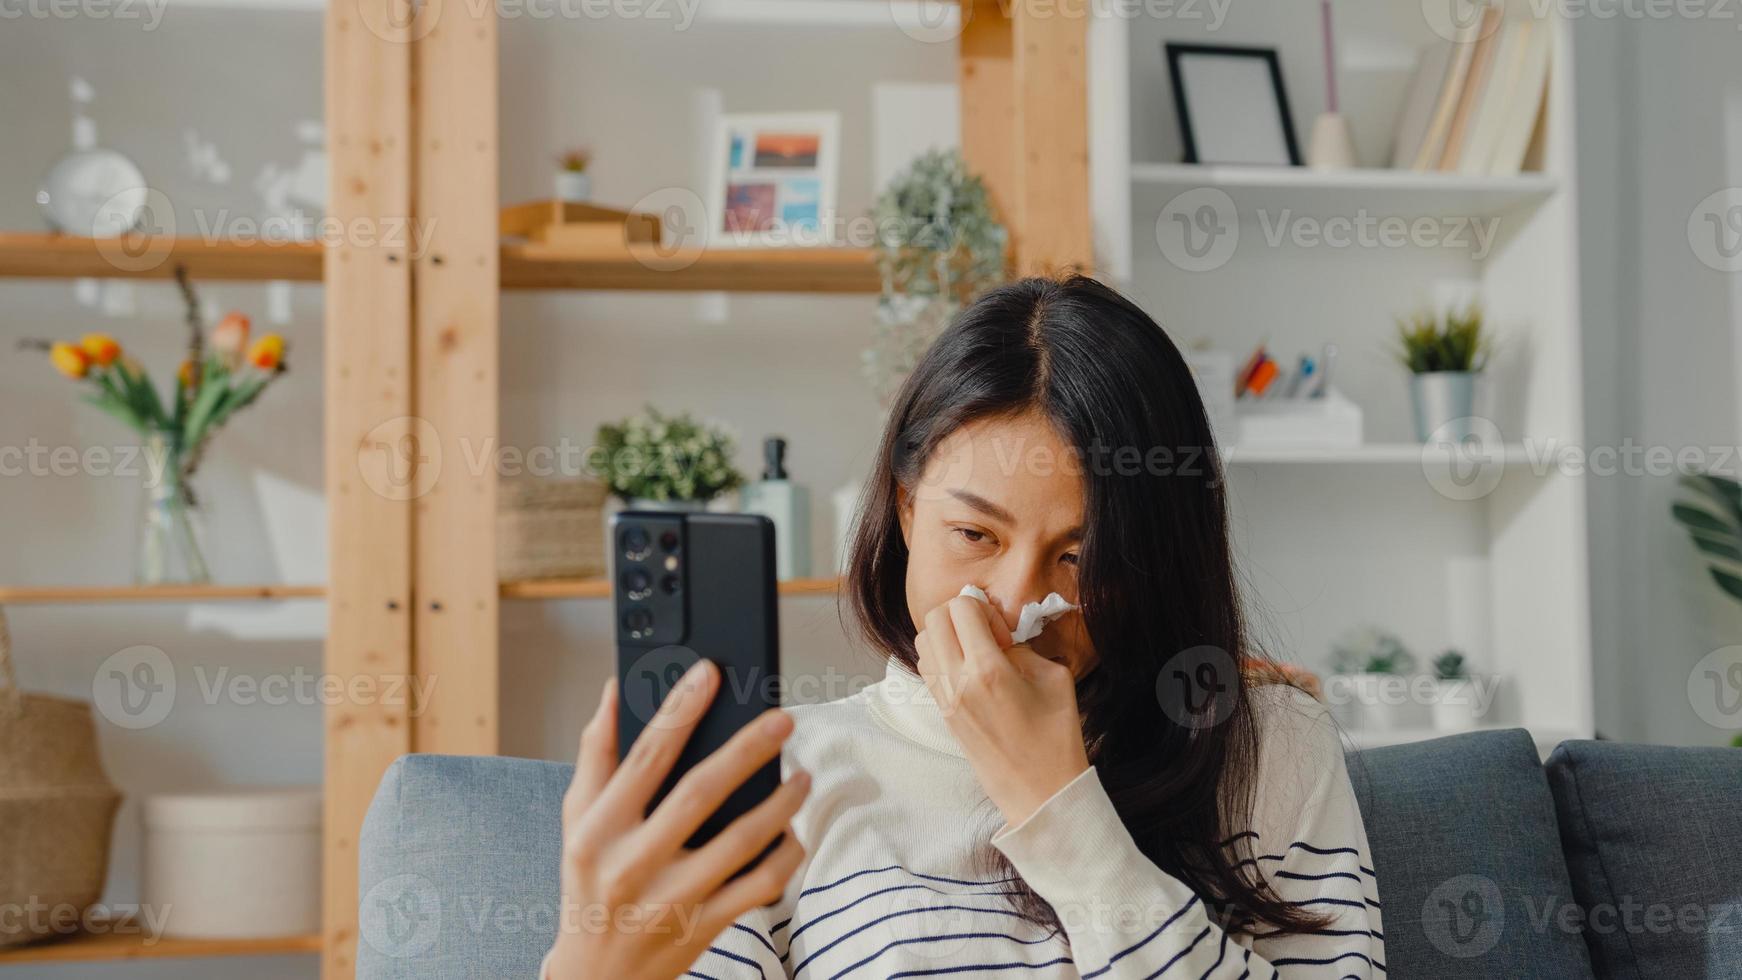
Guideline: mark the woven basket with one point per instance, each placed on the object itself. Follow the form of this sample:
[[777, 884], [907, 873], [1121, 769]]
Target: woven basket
[[56, 807], [550, 528]]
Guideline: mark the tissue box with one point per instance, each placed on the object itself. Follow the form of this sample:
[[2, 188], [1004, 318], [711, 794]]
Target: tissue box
[[1331, 422], [234, 865]]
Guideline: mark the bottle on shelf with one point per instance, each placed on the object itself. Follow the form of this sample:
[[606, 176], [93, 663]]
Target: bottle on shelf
[[787, 504]]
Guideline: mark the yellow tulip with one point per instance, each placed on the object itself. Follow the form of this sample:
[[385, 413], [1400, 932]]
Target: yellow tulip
[[101, 348], [69, 360], [267, 352]]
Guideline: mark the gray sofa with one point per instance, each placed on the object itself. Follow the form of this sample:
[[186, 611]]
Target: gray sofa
[[1610, 860]]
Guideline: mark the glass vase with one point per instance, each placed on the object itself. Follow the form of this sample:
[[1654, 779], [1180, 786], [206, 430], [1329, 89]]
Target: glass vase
[[169, 540]]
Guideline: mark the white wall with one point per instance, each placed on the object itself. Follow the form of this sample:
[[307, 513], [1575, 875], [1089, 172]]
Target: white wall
[[1657, 126]]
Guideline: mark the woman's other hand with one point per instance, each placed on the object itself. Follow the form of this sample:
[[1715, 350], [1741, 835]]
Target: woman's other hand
[[636, 904], [1013, 711]]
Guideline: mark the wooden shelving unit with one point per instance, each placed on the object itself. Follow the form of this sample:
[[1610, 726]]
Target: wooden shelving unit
[[601, 588], [36, 255], [112, 947], [81, 594]]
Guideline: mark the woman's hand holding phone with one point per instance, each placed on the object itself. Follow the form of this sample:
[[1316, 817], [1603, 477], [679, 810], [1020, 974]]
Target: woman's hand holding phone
[[1013, 711], [636, 904]]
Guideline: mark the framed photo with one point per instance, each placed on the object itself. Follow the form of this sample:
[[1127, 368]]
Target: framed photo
[[773, 179], [1232, 106]]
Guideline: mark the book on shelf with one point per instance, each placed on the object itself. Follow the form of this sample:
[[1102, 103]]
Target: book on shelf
[[1476, 102]]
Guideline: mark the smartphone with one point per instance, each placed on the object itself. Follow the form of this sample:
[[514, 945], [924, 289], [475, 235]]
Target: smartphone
[[687, 586]]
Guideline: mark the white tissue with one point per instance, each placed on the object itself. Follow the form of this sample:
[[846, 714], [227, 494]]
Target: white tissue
[[1035, 616]]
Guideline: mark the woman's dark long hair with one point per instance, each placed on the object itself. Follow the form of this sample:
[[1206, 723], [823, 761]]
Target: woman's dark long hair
[[1165, 717]]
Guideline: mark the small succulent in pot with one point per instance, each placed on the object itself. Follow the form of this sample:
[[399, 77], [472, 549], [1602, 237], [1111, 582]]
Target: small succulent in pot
[[1444, 355], [655, 459]]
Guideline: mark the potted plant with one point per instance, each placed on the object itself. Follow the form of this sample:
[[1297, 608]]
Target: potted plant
[[939, 245], [666, 462], [1445, 356], [573, 183], [1712, 516], [1372, 667], [218, 379], [1456, 706]]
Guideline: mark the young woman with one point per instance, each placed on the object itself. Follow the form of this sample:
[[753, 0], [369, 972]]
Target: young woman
[[1116, 798]]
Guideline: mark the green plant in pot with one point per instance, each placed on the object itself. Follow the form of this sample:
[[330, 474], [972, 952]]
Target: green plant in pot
[[1445, 355], [666, 462], [939, 245], [1457, 706], [1371, 669], [1711, 512]]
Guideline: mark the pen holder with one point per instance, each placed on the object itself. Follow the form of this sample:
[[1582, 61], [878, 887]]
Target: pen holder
[[1332, 422]]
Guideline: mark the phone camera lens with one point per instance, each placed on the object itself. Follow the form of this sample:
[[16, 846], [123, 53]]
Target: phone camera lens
[[671, 584], [636, 544], [668, 541], [638, 622], [637, 584]]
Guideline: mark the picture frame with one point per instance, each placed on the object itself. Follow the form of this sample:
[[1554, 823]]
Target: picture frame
[[1232, 105], [773, 179]]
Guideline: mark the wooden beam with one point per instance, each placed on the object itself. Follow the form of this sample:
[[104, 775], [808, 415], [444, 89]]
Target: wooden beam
[[1025, 130], [370, 441], [45, 255], [456, 337]]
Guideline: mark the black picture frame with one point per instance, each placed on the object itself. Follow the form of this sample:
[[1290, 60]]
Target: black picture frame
[[1177, 52]]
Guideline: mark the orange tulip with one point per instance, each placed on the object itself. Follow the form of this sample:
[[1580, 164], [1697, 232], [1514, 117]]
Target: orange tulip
[[267, 352], [231, 334], [69, 360], [185, 374], [101, 348]]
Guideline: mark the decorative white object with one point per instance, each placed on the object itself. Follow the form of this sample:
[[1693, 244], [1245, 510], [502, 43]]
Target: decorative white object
[[573, 185], [1332, 146], [237, 864], [1382, 702], [844, 499], [773, 179], [1462, 705]]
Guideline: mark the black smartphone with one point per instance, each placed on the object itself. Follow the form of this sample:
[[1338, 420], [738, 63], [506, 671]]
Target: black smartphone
[[689, 585]]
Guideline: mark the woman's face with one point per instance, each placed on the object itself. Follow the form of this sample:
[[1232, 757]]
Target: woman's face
[[1000, 505]]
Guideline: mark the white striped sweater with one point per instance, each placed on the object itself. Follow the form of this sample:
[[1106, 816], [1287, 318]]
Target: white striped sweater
[[896, 884]]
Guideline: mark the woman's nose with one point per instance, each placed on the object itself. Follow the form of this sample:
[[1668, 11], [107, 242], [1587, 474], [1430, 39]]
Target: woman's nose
[[1010, 591]]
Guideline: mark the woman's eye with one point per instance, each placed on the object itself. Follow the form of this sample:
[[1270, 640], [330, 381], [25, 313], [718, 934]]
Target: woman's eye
[[971, 535], [1069, 559]]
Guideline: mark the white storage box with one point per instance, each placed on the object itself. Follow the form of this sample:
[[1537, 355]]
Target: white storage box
[[1331, 422], [234, 865]]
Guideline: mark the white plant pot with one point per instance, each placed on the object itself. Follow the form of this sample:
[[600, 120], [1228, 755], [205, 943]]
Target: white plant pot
[[1381, 702], [1456, 707], [573, 186]]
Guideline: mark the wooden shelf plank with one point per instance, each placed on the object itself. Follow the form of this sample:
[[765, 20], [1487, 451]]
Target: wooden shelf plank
[[1347, 193], [644, 267], [40, 255], [71, 594], [598, 588], [45, 255], [92, 947]]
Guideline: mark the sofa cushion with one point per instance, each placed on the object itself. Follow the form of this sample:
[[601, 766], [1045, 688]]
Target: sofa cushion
[[459, 859], [1653, 838], [1471, 877]]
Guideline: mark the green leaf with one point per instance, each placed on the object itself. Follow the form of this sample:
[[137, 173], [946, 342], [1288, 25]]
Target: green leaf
[[1728, 582], [205, 403], [112, 404], [1700, 519], [1725, 547]]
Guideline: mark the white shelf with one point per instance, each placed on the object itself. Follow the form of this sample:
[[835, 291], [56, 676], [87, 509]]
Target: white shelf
[[1321, 193], [1399, 453]]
